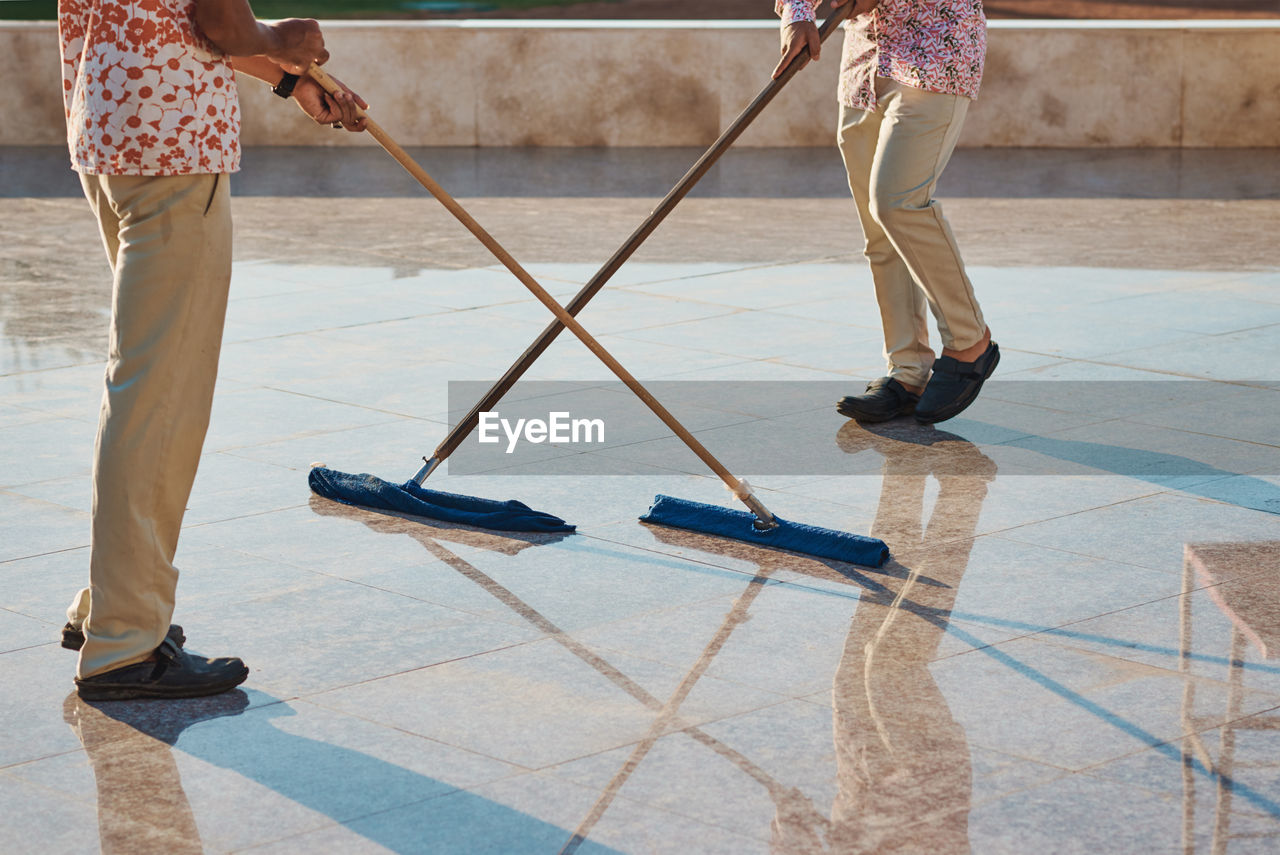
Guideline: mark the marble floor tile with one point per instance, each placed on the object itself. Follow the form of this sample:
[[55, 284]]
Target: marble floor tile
[[51, 352], [1225, 779], [1063, 333], [569, 359], [44, 449], [231, 769], [285, 314], [1186, 310], [14, 416], [1253, 416], [61, 824], [36, 729], [255, 416], [572, 584], [533, 813], [1120, 393], [369, 633], [42, 586], [1220, 631], [509, 703], [618, 310], [33, 527], [739, 774], [760, 335], [1233, 356], [1072, 648], [769, 370], [1073, 708], [73, 392], [750, 288], [804, 626], [1177, 458], [1029, 590], [1077, 814], [1150, 531], [391, 448], [18, 632], [632, 275]]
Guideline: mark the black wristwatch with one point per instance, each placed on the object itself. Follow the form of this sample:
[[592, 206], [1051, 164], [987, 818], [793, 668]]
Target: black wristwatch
[[285, 87]]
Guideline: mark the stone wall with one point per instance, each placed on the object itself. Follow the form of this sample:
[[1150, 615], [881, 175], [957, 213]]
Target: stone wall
[[665, 83]]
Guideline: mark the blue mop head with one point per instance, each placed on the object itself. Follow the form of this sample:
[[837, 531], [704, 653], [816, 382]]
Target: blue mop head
[[798, 537], [370, 492]]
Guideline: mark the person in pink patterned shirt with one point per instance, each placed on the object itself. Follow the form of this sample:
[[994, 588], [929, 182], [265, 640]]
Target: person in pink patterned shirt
[[153, 124], [909, 70]]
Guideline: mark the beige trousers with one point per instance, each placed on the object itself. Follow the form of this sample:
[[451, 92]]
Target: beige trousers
[[894, 156], [168, 240]]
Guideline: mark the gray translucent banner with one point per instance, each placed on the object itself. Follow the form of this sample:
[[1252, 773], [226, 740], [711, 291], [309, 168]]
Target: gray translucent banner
[[1171, 432]]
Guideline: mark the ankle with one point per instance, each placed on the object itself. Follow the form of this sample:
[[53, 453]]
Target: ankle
[[969, 354]]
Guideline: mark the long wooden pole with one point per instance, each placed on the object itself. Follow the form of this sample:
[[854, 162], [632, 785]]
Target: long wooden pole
[[740, 490], [468, 423]]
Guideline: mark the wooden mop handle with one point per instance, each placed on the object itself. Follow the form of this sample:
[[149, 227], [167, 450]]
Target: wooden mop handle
[[740, 490]]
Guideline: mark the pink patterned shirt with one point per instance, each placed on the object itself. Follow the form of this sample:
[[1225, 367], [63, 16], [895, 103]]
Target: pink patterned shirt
[[145, 92], [935, 45]]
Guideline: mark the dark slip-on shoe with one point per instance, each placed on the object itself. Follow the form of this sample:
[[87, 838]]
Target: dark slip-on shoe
[[73, 638], [884, 399], [173, 673], [954, 385]]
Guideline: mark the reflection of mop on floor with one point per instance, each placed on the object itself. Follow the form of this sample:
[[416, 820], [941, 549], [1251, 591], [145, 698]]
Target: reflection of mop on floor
[[793, 808]]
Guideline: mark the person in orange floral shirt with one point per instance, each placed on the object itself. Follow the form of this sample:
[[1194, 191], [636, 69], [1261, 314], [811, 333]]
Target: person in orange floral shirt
[[909, 70], [153, 124]]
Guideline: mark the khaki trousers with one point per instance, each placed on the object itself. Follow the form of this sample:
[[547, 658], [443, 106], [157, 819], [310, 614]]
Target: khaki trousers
[[168, 240], [894, 156]]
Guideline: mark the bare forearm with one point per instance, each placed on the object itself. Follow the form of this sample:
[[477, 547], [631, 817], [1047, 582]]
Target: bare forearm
[[231, 25], [259, 67], [293, 44]]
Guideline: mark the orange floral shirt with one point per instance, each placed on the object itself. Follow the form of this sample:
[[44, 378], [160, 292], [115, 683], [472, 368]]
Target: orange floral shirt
[[145, 92]]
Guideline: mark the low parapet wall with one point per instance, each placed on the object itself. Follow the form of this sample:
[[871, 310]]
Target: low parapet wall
[[670, 83]]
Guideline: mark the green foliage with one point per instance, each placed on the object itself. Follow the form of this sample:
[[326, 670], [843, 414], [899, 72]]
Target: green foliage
[[29, 10]]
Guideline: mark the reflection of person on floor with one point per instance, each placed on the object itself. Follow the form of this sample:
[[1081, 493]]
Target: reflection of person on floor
[[909, 70], [142, 807], [901, 758], [153, 126]]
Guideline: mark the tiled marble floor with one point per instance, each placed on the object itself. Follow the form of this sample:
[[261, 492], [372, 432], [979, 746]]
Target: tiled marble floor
[[1073, 650]]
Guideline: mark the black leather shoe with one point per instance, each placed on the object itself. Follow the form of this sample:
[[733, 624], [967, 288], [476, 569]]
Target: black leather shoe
[[954, 385], [73, 639], [174, 673], [884, 399]]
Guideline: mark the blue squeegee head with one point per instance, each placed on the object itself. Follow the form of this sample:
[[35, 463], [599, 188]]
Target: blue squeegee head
[[368, 491], [797, 537]]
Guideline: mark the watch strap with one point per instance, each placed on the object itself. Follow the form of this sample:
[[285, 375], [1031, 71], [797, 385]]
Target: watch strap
[[285, 87]]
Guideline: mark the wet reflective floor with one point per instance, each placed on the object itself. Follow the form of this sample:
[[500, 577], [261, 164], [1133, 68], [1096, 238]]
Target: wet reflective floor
[[1076, 645]]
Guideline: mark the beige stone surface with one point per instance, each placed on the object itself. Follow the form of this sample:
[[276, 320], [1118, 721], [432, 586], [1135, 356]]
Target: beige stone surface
[[31, 95], [606, 87], [1091, 84], [802, 114], [421, 85], [1071, 88], [1234, 96]]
